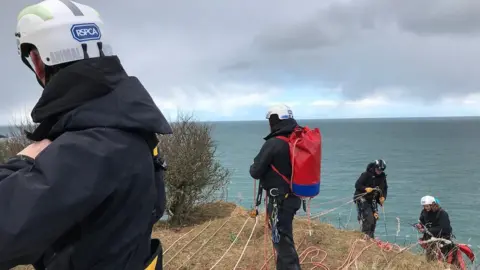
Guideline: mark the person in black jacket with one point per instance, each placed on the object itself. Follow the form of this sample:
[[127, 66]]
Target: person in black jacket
[[434, 222], [85, 194], [371, 189], [281, 203]]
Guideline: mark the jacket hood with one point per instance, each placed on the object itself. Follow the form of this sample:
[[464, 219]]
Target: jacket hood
[[97, 93], [284, 127]]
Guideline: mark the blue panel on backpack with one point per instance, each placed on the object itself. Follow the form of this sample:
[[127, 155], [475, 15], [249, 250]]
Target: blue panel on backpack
[[306, 190]]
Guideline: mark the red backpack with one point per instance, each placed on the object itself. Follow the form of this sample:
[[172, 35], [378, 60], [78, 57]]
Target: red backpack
[[306, 158]]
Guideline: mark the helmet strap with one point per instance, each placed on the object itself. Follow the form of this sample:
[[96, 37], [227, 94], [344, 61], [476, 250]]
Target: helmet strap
[[100, 49], [25, 61], [85, 52]]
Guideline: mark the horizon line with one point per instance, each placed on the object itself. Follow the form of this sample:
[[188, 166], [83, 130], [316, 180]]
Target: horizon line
[[335, 119], [359, 118]]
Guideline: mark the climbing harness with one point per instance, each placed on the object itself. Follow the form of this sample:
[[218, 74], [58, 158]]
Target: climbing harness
[[360, 200], [274, 215], [377, 192]]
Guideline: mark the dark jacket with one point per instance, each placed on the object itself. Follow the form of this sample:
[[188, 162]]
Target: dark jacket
[[274, 152], [87, 201], [370, 179], [437, 223]]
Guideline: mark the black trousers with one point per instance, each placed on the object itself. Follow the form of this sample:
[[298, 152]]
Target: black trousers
[[287, 257], [366, 209]]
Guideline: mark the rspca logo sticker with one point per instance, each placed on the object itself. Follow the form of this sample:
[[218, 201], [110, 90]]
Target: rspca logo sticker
[[85, 32], [287, 116]]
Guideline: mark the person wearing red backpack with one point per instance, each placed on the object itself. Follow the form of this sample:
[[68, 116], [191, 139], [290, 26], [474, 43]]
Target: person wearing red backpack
[[282, 203]]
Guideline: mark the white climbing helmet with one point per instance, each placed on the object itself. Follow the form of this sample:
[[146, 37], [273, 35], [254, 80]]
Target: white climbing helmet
[[427, 200], [282, 110], [59, 29]]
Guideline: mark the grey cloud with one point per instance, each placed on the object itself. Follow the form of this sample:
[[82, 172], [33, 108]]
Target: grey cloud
[[428, 47], [421, 17], [437, 16], [167, 44], [367, 46], [345, 19]]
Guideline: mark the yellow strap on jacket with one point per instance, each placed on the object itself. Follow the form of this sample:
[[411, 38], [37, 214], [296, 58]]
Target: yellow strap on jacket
[[153, 264], [156, 253]]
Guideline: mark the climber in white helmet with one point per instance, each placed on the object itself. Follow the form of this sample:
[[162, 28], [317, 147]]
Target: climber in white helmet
[[434, 222], [86, 192], [275, 153]]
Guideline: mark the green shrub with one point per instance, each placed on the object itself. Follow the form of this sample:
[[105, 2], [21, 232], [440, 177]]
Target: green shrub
[[194, 175]]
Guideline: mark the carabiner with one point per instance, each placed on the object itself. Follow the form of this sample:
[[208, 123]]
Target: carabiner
[[275, 193]]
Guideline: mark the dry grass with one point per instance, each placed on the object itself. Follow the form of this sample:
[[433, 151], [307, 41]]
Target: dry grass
[[216, 225], [336, 243]]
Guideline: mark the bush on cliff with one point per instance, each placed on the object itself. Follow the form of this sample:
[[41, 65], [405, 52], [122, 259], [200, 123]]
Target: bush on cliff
[[194, 175]]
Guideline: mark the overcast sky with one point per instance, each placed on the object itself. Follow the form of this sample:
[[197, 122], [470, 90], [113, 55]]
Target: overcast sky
[[228, 60]]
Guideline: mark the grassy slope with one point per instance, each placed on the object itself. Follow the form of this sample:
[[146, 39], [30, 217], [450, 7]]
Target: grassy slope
[[336, 243], [203, 243]]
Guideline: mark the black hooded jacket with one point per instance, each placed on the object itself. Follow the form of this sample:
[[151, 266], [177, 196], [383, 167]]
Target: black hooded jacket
[[274, 152], [89, 199], [369, 179], [437, 223]]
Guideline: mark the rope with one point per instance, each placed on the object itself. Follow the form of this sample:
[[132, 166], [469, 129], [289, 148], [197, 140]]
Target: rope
[[384, 246], [349, 217], [208, 240], [312, 252], [309, 250], [265, 236], [334, 200], [209, 223], [231, 245], [333, 209], [330, 210], [384, 221], [356, 257], [181, 237], [248, 241], [309, 218], [350, 254]]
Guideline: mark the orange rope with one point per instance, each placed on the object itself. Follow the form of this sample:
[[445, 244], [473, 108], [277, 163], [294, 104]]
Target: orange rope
[[308, 251], [356, 257], [384, 246], [265, 235]]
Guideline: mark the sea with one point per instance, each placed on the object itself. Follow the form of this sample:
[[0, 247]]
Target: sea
[[425, 156]]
